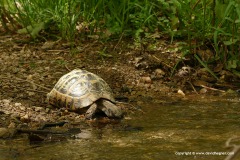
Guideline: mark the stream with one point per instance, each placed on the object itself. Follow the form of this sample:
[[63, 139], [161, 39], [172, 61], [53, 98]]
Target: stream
[[188, 129]]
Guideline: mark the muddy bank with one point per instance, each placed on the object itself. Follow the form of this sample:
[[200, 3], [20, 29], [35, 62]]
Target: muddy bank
[[29, 70]]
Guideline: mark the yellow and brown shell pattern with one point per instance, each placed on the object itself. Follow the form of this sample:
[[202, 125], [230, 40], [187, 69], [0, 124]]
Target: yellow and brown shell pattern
[[78, 89]]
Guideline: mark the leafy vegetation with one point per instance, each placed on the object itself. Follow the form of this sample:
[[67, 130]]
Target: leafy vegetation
[[203, 24]]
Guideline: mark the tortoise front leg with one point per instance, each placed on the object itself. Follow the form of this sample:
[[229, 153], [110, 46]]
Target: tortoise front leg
[[91, 111], [110, 109]]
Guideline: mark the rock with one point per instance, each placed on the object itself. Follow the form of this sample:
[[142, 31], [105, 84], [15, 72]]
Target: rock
[[25, 118], [30, 77], [41, 118], [84, 134], [17, 104], [158, 74], [3, 132], [6, 133], [6, 101], [184, 71], [203, 90], [12, 125], [31, 93], [145, 80], [47, 110], [22, 108], [180, 92], [38, 109]]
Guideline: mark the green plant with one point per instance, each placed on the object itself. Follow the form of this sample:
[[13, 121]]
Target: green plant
[[227, 34], [38, 15]]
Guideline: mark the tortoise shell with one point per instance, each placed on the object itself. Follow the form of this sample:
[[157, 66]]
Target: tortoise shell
[[78, 89]]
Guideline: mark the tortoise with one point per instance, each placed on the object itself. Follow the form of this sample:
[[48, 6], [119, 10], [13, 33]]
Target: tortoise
[[80, 89]]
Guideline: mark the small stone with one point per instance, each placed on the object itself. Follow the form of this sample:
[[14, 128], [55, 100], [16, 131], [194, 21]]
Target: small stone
[[47, 110], [38, 109], [146, 80], [25, 118], [14, 116], [12, 125], [17, 104], [147, 85], [41, 118], [159, 72], [4, 133], [3, 118], [22, 108], [181, 92], [133, 93], [203, 90], [31, 93], [83, 134], [30, 77], [6, 101]]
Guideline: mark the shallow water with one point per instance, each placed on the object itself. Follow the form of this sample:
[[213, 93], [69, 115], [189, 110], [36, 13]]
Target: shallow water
[[181, 130]]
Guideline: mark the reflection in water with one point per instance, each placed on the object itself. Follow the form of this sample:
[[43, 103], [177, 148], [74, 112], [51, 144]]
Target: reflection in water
[[183, 130]]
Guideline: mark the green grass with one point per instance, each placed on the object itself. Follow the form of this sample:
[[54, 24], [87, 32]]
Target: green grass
[[212, 24]]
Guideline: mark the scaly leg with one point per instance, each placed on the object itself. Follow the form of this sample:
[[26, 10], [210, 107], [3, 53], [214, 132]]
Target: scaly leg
[[91, 111], [110, 109]]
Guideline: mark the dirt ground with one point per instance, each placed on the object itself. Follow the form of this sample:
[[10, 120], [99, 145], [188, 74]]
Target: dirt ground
[[29, 70]]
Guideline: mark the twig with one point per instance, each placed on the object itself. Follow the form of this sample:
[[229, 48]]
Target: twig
[[67, 67], [58, 51], [193, 87], [118, 42], [214, 89]]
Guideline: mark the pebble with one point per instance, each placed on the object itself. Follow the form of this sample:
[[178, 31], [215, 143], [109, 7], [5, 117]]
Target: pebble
[[146, 80], [22, 108], [84, 134], [12, 125], [25, 118], [203, 90], [181, 92], [159, 72], [6, 101], [4, 132], [47, 110], [31, 93], [30, 77], [38, 109], [17, 104]]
